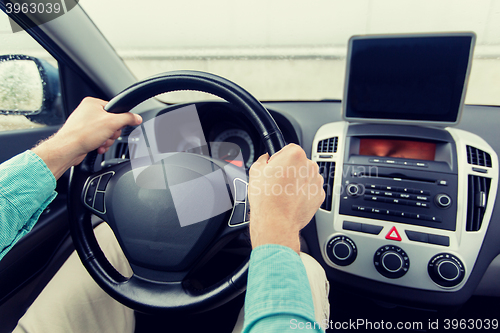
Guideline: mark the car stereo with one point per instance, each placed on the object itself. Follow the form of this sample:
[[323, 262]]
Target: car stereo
[[402, 179]]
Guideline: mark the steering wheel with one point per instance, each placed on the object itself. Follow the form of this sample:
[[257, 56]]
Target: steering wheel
[[143, 217]]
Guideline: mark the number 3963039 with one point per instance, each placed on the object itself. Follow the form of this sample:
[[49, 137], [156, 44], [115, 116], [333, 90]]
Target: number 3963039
[[33, 8]]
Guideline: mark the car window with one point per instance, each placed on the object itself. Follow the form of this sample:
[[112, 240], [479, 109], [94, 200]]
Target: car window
[[29, 82], [287, 49]]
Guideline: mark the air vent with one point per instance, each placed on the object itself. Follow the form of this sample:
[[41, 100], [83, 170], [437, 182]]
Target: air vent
[[127, 130], [328, 145], [327, 170], [122, 151], [122, 146], [478, 157], [478, 191]]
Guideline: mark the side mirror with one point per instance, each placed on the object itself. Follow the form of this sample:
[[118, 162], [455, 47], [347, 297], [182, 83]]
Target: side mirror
[[30, 87]]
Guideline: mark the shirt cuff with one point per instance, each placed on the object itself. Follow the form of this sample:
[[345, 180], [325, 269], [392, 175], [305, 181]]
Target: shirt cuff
[[27, 188], [277, 287]]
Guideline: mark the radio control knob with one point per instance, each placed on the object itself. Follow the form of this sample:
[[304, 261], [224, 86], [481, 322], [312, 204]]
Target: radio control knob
[[353, 190], [446, 270], [443, 200], [391, 261], [341, 250]]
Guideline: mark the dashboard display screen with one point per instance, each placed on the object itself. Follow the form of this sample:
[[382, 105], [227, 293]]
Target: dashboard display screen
[[397, 148], [413, 78]]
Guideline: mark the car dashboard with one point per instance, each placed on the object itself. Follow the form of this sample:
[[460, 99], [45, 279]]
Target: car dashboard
[[410, 173], [403, 230]]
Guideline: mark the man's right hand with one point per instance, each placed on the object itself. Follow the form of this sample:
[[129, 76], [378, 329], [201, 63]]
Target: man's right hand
[[284, 192]]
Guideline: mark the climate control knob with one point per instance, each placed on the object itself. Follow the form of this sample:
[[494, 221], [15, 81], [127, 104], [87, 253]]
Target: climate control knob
[[342, 250], [443, 200], [391, 261], [446, 270]]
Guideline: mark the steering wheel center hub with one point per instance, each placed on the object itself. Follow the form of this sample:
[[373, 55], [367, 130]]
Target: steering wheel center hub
[[167, 213]]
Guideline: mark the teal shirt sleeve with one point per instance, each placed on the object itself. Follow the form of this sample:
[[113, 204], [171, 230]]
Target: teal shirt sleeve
[[279, 297], [27, 187]]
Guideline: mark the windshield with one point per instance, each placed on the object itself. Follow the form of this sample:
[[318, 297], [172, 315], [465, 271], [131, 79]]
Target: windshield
[[286, 49]]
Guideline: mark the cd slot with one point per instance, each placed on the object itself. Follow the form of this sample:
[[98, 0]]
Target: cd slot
[[397, 177]]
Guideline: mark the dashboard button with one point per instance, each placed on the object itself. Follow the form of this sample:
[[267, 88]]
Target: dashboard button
[[360, 208], [393, 234], [439, 240], [398, 201], [443, 200], [341, 250], [436, 219], [353, 189], [99, 202], [238, 216], [391, 261], [354, 226], [417, 236], [241, 188], [418, 204], [91, 191], [446, 270], [104, 181], [371, 229], [372, 198], [394, 212]]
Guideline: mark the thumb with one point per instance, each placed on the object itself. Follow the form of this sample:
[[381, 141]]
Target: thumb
[[128, 118], [263, 158]]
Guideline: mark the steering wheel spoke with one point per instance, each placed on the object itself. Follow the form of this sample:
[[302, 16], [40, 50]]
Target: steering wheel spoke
[[94, 192]]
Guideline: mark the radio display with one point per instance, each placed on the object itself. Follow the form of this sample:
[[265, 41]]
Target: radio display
[[419, 150]]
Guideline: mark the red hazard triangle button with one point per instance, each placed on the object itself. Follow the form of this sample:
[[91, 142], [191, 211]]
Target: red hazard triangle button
[[393, 235]]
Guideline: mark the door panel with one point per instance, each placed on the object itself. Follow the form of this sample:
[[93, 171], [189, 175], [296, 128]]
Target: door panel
[[15, 142]]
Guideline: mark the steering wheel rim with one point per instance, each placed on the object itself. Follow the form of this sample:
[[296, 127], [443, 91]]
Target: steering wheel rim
[[139, 293]]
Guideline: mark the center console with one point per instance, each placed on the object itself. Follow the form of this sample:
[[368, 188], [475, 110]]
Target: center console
[[412, 222], [408, 197]]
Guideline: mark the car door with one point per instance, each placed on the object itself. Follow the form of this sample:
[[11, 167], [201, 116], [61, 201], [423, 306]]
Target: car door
[[31, 110]]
